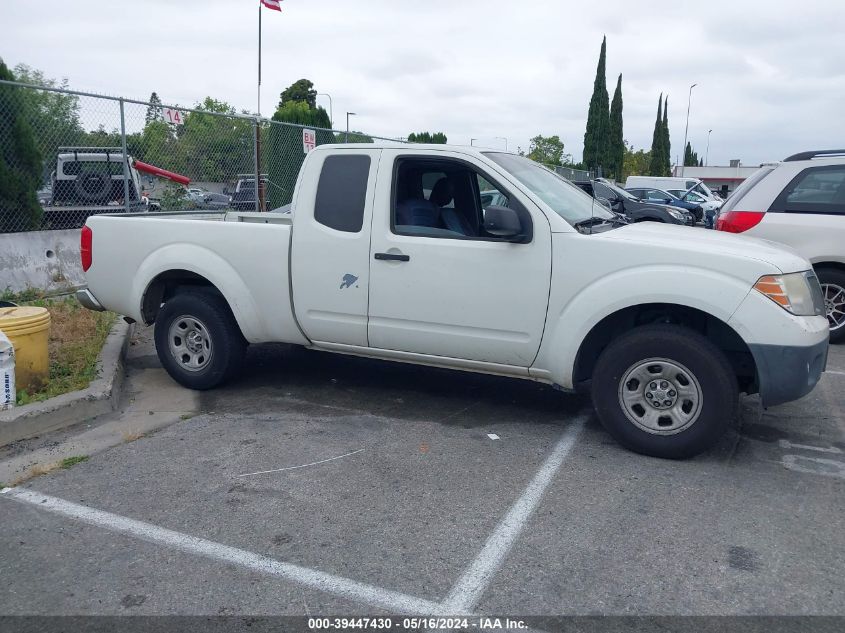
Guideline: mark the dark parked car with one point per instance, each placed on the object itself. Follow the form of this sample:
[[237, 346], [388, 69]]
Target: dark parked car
[[660, 196], [631, 207]]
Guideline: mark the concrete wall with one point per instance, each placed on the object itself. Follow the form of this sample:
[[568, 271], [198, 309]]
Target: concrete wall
[[47, 260]]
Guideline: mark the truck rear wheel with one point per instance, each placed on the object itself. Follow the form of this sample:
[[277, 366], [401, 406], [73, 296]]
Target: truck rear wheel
[[664, 391], [198, 340]]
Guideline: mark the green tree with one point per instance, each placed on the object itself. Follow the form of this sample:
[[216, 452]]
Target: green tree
[[635, 162], [53, 117], [596, 136], [284, 151], [616, 151], [155, 112], [655, 167], [427, 137], [546, 149], [300, 91], [667, 145], [216, 148], [691, 158], [20, 161]]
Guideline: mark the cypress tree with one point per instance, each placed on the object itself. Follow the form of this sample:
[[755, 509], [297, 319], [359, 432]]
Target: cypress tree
[[596, 136], [20, 161], [617, 143], [655, 167], [667, 144]]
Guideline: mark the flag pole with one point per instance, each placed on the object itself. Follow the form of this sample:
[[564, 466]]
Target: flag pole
[[259, 185]]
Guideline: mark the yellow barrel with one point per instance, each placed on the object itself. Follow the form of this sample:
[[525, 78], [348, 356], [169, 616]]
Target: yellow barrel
[[28, 329]]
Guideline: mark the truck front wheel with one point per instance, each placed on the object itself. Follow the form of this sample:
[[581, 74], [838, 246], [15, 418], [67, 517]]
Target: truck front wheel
[[198, 340], [664, 391]]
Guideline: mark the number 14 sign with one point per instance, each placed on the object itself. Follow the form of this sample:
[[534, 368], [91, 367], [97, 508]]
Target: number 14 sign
[[174, 117]]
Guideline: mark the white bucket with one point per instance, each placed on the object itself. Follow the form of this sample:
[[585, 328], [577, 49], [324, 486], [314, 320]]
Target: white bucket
[[7, 373]]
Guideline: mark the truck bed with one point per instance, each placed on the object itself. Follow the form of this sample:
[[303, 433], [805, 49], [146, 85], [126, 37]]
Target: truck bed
[[247, 263]]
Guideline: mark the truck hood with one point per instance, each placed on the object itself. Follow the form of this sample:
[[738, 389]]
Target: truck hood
[[718, 244]]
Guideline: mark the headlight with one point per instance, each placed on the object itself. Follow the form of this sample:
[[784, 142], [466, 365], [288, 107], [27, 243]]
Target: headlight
[[677, 215], [798, 293]]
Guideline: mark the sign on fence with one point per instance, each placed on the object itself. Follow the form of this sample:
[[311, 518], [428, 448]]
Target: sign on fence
[[174, 117], [309, 140]]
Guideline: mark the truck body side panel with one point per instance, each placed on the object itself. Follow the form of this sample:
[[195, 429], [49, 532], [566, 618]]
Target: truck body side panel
[[247, 262]]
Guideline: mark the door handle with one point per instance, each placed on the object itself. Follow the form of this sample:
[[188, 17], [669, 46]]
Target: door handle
[[392, 257]]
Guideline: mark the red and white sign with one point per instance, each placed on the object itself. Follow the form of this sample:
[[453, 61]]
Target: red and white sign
[[309, 140], [174, 117]]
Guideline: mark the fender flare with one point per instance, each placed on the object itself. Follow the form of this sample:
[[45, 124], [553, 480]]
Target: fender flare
[[566, 331], [207, 264]]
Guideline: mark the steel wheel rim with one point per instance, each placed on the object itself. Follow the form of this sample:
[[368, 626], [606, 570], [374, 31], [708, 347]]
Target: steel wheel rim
[[189, 343], [834, 305], [660, 396]]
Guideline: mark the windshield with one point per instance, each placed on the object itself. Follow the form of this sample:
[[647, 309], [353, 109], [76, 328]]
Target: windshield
[[619, 191], [564, 198]]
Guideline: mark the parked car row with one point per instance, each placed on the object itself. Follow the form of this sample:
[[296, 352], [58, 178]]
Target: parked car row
[[633, 208]]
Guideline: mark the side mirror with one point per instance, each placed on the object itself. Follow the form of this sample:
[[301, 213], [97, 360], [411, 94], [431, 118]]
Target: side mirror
[[502, 222]]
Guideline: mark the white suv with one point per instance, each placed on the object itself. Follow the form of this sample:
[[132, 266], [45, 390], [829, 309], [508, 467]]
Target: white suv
[[799, 202]]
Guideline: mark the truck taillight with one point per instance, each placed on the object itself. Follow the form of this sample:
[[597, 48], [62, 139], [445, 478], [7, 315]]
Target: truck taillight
[[85, 243], [738, 221]]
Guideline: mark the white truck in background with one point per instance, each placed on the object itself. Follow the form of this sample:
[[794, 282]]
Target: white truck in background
[[390, 253]]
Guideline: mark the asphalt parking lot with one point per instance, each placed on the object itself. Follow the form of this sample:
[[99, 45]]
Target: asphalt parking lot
[[400, 489]]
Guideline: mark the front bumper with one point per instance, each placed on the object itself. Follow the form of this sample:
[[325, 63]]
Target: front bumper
[[788, 372], [88, 300]]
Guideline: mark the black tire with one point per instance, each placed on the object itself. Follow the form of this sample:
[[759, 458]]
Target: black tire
[[226, 345], [93, 186], [833, 281], [717, 403]]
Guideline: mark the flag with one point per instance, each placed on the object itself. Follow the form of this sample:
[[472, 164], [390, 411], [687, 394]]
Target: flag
[[276, 5]]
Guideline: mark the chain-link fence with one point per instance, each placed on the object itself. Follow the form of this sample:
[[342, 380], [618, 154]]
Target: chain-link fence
[[67, 155]]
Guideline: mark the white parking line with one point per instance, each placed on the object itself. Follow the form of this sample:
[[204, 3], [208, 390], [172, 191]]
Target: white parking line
[[461, 600], [343, 587], [467, 592]]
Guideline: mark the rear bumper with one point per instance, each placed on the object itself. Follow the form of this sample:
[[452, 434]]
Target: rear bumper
[[788, 372], [88, 300]]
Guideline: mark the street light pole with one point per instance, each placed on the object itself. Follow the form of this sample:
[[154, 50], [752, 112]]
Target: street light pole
[[331, 116], [348, 114], [471, 141], [686, 131], [505, 140], [707, 153]]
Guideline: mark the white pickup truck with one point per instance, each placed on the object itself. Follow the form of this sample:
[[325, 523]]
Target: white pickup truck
[[388, 252]]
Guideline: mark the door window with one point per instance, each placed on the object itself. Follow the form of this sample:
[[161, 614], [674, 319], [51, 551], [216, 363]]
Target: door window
[[445, 199]]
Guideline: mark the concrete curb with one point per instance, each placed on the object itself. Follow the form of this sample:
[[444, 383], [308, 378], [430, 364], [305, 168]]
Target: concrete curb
[[101, 396]]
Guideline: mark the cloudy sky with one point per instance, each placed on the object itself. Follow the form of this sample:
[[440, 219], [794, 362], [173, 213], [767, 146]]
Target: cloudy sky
[[771, 78]]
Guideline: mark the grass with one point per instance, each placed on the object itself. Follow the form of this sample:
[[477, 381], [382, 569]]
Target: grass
[[76, 338], [67, 462]]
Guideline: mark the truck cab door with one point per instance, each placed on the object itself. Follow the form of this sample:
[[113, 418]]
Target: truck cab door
[[441, 284], [330, 247]]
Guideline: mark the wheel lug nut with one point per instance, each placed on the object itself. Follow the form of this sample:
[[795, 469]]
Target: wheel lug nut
[[672, 392], [648, 395], [664, 384], [667, 402], [653, 385]]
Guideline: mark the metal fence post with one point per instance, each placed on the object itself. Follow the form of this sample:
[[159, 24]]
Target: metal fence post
[[257, 156], [125, 158]]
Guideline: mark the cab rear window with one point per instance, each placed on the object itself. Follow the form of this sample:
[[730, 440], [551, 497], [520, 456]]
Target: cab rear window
[[342, 191]]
